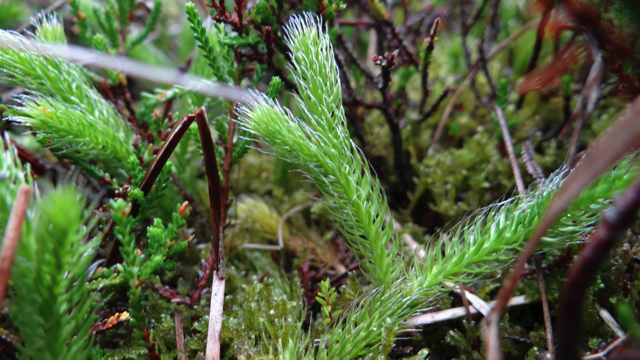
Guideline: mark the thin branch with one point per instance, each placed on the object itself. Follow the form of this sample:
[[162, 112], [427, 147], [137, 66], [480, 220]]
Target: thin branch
[[512, 154], [474, 17], [353, 58], [545, 309], [12, 237], [424, 77], [482, 61]]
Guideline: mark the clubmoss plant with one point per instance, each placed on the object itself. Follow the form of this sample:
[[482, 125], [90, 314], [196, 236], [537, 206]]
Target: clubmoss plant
[[56, 311], [342, 286], [71, 117], [319, 143]]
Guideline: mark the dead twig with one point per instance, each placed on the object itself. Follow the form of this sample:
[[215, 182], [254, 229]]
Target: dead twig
[[545, 309], [449, 314], [12, 237], [177, 316]]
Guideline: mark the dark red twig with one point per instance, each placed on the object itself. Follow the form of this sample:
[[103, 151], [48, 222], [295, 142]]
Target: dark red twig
[[620, 216], [165, 153]]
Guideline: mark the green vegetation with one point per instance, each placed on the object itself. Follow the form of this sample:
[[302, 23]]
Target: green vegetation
[[345, 151]]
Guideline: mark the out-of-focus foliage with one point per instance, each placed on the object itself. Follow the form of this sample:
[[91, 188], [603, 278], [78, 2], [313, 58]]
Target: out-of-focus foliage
[[349, 102]]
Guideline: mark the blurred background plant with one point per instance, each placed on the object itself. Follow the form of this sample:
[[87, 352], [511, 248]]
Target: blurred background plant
[[438, 154]]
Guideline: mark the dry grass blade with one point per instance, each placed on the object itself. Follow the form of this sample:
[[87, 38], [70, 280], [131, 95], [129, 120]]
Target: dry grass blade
[[608, 148], [215, 197], [455, 313], [216, 259], [12, 237], [214, 335], [161, 75]]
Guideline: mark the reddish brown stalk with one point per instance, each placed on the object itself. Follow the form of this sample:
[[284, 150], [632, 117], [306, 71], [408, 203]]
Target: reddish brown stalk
[[387, 62], [215, 194], [12, 237], [216, 259], [616, 220]]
